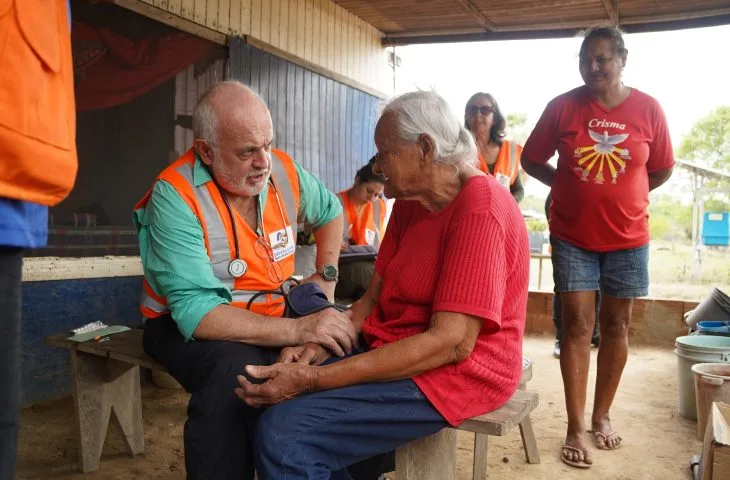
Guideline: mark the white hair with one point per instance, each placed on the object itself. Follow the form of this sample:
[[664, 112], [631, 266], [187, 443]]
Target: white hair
[[427, 113], [205, 119]]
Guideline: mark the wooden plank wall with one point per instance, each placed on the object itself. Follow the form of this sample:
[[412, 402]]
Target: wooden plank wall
[[323, 124], [189, 87], [318, 31]]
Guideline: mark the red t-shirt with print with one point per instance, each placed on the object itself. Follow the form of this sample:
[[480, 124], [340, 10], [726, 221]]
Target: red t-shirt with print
[[600, 193], [471, 257]]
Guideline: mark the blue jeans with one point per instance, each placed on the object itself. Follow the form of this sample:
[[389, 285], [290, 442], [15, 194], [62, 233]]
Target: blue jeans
[[619, 273], [318, 435]]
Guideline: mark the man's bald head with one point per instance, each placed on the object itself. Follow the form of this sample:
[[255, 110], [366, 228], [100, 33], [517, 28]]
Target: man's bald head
[[233, 138], [221, 105]]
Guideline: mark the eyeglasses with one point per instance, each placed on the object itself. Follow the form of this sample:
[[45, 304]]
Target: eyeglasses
[[485, 110], [265, 252]]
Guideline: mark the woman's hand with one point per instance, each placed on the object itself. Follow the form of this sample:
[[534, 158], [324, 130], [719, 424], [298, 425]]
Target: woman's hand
[[284, 382], [307, 354]]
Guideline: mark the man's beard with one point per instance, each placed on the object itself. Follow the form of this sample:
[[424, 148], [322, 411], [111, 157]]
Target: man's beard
[[239, 185]]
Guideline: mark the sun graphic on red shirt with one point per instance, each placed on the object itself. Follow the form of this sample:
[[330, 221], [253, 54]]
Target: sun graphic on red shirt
[[602, 154]]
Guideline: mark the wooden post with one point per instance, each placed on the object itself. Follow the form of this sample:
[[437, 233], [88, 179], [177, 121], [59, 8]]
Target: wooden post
[[428, 458], [529, 442], [101, 386], [480, 457]]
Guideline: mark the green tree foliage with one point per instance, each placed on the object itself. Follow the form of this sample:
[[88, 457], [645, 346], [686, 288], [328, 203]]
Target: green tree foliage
[[708, 143], [670, 219]]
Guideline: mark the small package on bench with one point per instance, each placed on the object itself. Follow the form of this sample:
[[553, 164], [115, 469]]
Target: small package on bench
[[103, 331]]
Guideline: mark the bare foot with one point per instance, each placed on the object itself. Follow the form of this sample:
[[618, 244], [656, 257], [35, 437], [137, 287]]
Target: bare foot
[[604, 436], [575, 451]]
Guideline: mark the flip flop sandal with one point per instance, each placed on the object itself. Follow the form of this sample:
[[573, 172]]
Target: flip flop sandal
[[604, 436], [575, 463]]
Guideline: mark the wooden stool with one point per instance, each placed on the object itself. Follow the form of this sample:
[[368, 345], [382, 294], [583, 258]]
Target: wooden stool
[[106, 385], [434, 457]]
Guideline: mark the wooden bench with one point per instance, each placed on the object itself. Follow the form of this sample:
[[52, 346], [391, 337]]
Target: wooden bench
[[106, 385], [434, 457]]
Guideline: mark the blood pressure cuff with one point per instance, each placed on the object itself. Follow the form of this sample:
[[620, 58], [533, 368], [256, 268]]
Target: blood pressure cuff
[[301, 299]]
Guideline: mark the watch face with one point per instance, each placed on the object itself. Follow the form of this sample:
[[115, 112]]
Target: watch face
[[329, 272]]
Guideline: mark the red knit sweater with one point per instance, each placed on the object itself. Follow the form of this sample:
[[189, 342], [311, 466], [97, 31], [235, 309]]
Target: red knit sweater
[[471, 257]]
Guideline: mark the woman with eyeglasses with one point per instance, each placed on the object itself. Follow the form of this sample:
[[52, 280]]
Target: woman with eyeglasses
[[497, 156], [363, 209], [613, 148]]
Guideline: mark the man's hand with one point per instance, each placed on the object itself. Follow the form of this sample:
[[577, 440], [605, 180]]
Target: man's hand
[[327, 287], [285, 381], [329, 328], [307, 354]]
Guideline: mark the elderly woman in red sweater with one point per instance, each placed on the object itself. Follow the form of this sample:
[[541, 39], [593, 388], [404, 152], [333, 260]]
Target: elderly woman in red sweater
[[441, 323]]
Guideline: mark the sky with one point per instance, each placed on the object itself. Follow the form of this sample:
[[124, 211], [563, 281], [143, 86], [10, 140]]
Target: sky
[[685, 70]]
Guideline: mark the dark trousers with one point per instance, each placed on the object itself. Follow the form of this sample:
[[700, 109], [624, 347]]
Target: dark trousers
[[319, 435], [219, 430], [11, 267]]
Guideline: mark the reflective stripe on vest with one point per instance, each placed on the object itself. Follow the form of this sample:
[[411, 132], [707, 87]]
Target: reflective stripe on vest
[[377, 222], [512, 159], [220, 251]]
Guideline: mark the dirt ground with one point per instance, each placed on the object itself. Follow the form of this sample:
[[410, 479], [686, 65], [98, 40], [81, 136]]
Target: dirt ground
[[657, 442]]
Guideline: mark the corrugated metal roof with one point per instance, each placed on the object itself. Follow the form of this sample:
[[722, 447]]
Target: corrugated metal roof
[[423, 21]]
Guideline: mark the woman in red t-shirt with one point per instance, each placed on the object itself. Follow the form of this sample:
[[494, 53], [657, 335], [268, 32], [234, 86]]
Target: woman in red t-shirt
[[613, 148], [442, 320]]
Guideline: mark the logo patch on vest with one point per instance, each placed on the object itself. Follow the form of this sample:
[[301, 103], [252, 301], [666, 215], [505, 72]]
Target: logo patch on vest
[[502, 179], [282, 243], [369, 236]]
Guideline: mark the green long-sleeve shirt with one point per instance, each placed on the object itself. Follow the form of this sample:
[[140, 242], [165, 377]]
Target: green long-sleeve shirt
[[172, 245]]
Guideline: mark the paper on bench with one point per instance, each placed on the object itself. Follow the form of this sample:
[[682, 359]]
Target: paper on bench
[[101, 332]]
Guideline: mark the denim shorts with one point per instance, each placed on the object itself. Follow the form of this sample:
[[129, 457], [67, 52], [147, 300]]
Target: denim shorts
[[620, 273]]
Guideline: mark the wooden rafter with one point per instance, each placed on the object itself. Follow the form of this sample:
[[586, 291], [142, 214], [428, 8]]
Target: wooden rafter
[[478, 15], [611, 7]]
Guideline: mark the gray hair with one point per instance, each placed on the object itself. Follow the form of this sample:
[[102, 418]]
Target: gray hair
[[427, 113], [205, 119]]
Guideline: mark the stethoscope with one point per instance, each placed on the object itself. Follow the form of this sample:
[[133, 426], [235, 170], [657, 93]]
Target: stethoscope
[[238, 266]]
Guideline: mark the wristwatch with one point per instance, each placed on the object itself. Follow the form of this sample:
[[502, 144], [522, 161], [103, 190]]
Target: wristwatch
[[329, 272]]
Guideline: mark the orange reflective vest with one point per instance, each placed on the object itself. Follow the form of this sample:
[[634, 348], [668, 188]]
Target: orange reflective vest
[[37, 109], [362, 228], [279, 226], [508, 163]]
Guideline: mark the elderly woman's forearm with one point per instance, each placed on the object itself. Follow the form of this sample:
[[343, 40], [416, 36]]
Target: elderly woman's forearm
[[405, 358]]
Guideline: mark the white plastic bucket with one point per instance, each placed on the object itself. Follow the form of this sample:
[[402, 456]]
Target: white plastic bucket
[[712, 384], [691, 350]]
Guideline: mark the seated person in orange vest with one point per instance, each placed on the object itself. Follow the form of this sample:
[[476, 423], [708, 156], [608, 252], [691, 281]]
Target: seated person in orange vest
[[497, 156], [216, 228], [363, 211]]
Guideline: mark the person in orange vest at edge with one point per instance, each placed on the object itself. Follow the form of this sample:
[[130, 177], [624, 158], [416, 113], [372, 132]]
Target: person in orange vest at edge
[[497, 156], [363, 210], [37, 169], [216, 228]]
